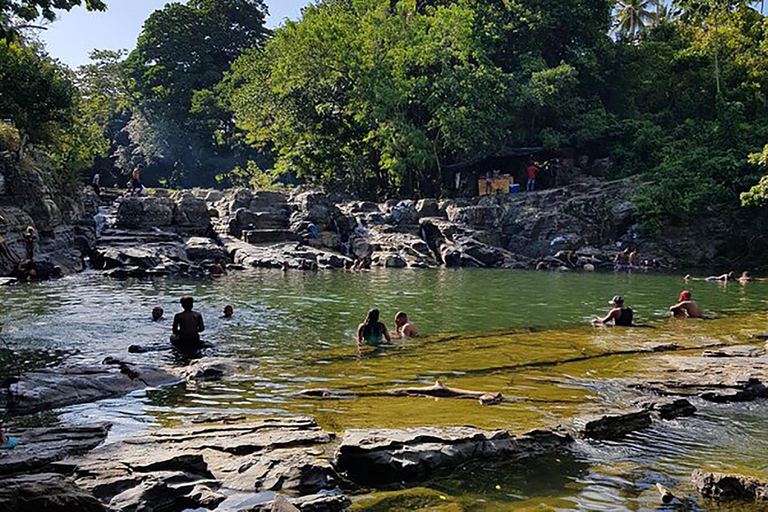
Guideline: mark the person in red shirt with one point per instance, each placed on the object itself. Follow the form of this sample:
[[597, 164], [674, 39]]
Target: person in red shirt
[[533, 170]]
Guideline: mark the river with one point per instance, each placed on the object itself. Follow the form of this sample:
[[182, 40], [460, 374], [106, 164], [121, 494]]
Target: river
[[523, 334]]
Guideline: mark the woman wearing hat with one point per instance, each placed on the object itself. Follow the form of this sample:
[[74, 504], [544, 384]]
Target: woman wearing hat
[[620, 315]]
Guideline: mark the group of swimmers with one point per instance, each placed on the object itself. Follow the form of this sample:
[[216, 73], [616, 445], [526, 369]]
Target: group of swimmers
[[744, 278], [624, 316]]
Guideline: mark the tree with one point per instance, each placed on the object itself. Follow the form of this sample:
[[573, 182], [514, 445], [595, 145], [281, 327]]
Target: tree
[[634, 16], [16, 15]]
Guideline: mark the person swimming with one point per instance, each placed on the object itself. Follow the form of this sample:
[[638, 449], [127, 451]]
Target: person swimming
[[187, 327], [371, 331], [404, 328], [157, 314], [620, 315], [229, 311], [686, 307]]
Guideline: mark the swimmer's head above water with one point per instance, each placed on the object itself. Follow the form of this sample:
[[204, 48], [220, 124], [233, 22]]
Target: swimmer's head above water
[[157, 313], [228, 311]]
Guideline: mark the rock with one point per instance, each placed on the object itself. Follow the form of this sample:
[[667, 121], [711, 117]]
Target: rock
[[297, 256], [190, 215], [45, 492], [185, 468], [728, 487], [394, 455], [145, 212], [428, 208], [611, 425], [47, 389], [202, 249], [213, 196], [208, 369], [735, 351], [668, 408], [716, 379], [269, 236], [311, 503], [38, 447]]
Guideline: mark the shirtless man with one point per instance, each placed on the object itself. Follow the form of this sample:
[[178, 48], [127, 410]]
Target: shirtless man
[[686, 307], [619, 315], [136, 184], [187, 327], [404, 327]]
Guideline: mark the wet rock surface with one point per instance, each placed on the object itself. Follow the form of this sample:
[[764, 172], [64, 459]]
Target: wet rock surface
[[730, 486], [391, 455], [737, 378], [48, 389], [198, 467], [667, 408], [38, 447], [611, 425]]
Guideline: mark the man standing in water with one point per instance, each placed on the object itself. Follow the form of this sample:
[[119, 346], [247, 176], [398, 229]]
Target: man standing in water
[[686, 307], [187, 327], [620, 315], [404, 328]]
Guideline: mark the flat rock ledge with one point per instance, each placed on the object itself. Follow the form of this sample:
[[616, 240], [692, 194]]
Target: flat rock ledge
[[59, 387], [395, 455], [730, 486], [611, 425], [735, 374]]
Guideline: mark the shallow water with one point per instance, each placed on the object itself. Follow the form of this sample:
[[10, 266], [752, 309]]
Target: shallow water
[[521, 333]]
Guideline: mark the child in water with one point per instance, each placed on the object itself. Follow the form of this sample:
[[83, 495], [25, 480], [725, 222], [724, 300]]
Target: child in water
[[371, 331]]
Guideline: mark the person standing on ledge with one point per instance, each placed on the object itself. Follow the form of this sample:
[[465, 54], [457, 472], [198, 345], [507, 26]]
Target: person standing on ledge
[[371, 331], [187, 327], [533, 171], [686, 307], [136, 184], [620, 315], [29, 242], [404, 328]]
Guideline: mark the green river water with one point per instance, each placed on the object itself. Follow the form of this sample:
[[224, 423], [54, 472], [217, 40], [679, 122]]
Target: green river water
[[523, 334]]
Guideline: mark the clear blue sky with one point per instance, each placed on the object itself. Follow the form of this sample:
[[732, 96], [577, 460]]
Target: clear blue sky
[[74, 34]]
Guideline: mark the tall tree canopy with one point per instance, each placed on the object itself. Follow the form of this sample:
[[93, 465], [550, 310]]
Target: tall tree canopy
[[16, 14], [384, 94]]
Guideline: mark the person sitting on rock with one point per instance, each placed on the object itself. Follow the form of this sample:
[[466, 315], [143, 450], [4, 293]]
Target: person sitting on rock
[[686, 307], [229, 311], [404, 328], [620, 315], [187, 327], [371, 331], [157, 314], [6, 442]]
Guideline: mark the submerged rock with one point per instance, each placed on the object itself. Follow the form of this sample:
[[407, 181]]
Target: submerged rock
[[52, 388], [310, 503], [728, 487], [611, 425], [668, 408], [393, 455]]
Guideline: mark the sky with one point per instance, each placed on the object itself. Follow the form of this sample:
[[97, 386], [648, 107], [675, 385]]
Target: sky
[[74, 34]]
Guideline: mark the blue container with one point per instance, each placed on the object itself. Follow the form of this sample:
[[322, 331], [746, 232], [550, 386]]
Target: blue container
[[514, 188]]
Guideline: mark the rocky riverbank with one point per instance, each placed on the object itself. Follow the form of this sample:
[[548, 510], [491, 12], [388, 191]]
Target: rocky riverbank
[[242, 464], [188, 232]]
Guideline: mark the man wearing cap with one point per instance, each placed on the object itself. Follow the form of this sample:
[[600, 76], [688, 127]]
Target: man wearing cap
[[620, 315], [686, 307]]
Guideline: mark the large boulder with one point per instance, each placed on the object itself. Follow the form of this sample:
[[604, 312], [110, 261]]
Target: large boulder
[[191, 215], [611, 425], [145, 212]]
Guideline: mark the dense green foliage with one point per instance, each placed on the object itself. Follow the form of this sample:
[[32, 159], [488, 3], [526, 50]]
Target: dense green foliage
[[388, 97]]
